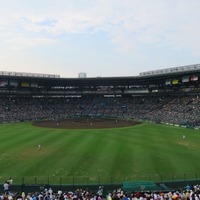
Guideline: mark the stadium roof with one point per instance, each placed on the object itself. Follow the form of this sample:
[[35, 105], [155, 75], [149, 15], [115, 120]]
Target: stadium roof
[[154, 77], [172, 70]]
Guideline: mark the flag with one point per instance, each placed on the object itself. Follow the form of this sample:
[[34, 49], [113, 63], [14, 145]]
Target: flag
[[193, 78]]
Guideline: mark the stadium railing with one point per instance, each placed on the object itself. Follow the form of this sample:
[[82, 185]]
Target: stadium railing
[[74, 180]]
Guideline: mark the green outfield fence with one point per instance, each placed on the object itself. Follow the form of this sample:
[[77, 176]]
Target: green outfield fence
[[74, 180], [107, 188]]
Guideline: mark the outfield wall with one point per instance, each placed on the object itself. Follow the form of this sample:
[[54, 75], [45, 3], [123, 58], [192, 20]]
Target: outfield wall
[[84, 180], [164, 186]]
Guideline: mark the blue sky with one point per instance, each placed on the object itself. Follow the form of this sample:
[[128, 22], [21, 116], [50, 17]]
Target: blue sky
[[98, 37]]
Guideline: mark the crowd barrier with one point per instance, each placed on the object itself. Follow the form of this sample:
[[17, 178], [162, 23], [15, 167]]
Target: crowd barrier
[[86, 180], [165, 186]]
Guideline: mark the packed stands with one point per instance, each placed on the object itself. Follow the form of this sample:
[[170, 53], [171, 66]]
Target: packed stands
[[179, 110], [189, 192]]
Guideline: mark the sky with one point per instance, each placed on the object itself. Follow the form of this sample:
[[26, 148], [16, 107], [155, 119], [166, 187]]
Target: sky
[[104, 38]]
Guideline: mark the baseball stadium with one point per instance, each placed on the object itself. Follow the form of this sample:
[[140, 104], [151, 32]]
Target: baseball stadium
[[127, 132]]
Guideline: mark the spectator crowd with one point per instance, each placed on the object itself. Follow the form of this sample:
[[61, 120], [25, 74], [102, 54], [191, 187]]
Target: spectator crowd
[[180, 110], [189, 192]]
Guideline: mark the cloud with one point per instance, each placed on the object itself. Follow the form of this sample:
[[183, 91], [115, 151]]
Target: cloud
[[21, 42], [129, 24]]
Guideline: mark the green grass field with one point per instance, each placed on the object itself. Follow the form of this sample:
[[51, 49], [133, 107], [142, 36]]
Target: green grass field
[[142, 152]]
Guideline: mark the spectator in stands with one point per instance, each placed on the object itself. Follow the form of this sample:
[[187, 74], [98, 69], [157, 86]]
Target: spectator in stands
[[6, 186]]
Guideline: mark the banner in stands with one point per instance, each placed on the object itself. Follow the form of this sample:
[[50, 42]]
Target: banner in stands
[[24, 84], [34, 85], [3, 83], [13, 83], [193, 78], [185, 79], [168, 82], [175, 81]]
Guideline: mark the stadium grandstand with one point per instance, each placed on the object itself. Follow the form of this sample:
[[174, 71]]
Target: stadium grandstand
[[164, 96], [170, 96]]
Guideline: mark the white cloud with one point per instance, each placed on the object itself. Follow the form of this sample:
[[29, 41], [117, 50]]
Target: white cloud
[[129, 25], [21, 42], [146, 21]]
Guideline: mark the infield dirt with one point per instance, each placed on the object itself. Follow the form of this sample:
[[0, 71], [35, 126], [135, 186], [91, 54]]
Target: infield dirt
[[84, 123]]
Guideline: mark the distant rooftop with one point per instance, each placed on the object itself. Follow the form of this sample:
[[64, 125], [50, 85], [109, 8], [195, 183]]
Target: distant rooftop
[[171, 70], [6, 73]]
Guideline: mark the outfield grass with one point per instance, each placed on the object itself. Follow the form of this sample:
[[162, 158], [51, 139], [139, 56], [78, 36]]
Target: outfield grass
[[146, 151]]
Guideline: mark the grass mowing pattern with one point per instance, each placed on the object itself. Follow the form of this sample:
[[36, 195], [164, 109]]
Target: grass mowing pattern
[[104, 155]]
